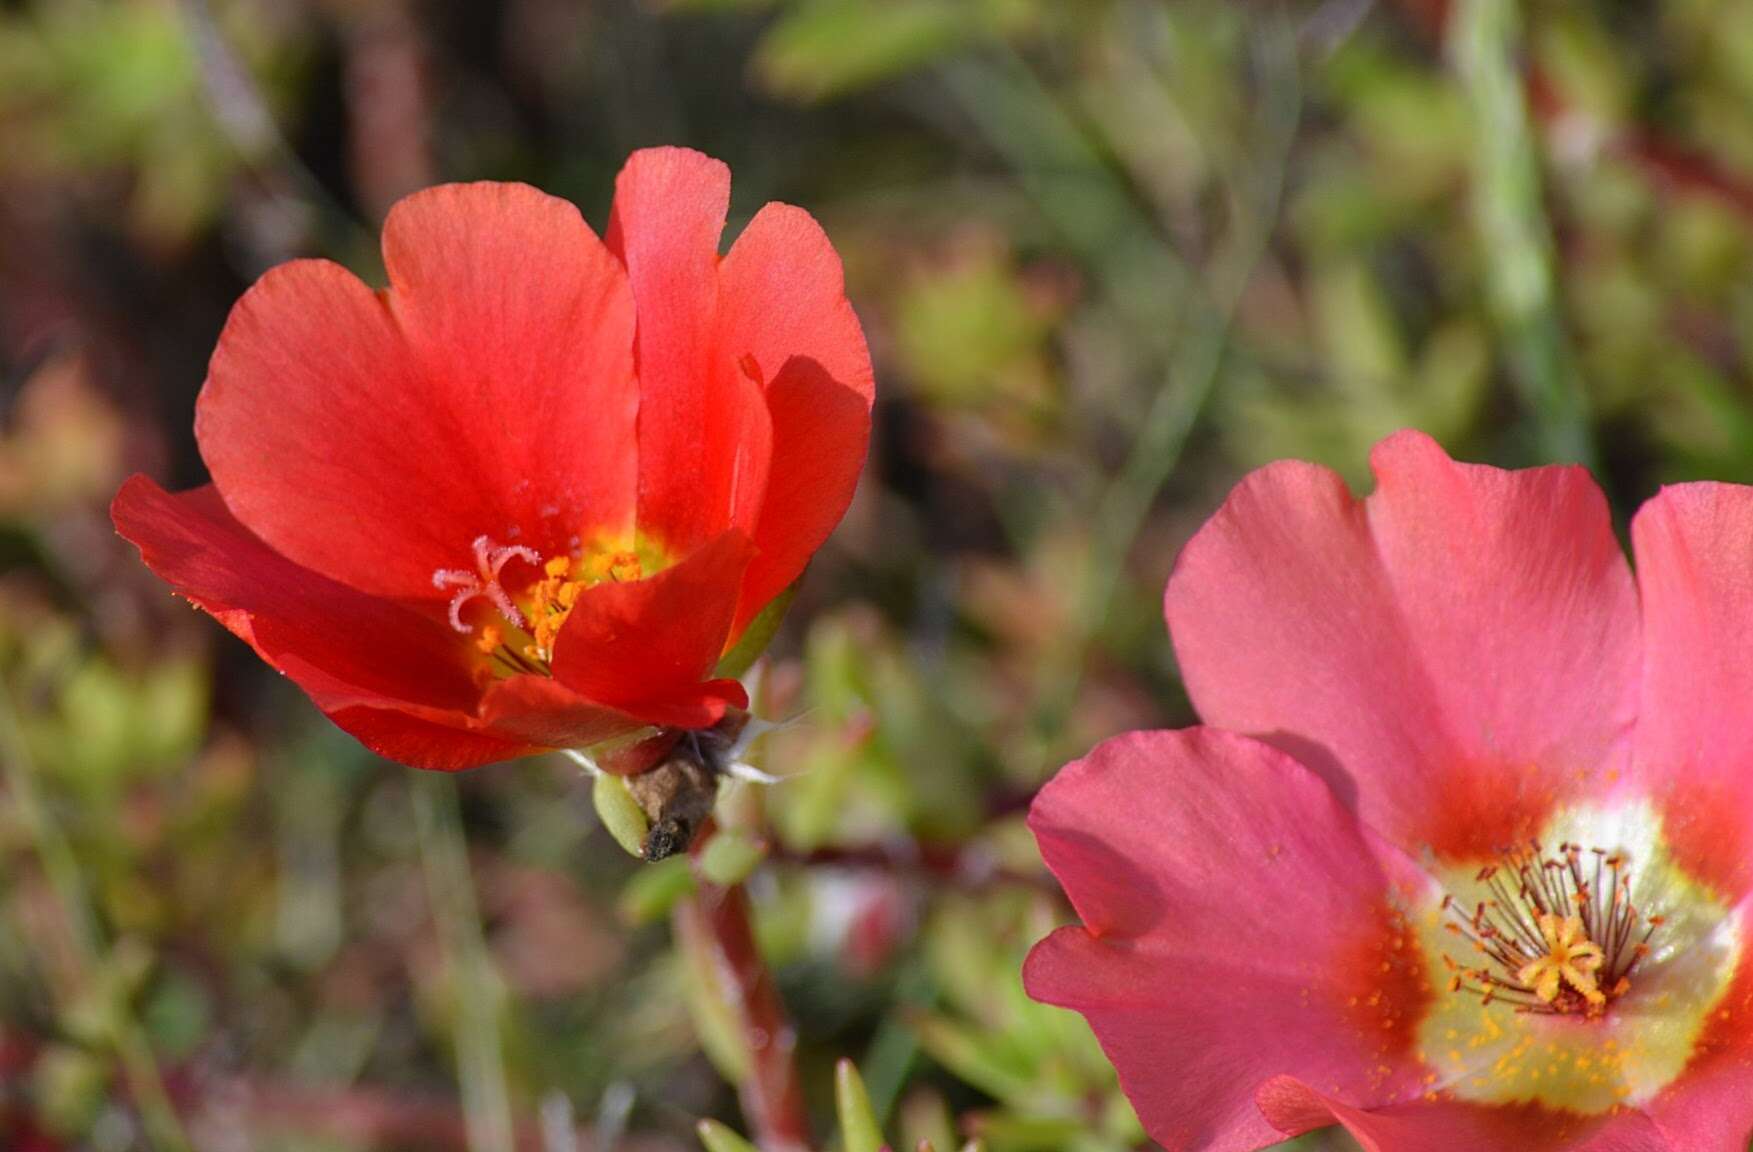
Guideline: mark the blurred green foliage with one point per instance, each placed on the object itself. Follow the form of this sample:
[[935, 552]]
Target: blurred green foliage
[[1109, 256]]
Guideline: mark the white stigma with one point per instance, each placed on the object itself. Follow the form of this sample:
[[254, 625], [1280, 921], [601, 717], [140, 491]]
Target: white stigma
[[490, 561]]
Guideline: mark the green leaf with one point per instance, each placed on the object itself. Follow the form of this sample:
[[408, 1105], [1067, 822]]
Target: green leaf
[[978, 1060], [824, 48], [620, 813], [717, 1138], [858, 1123], [654, 890], [730, 856]]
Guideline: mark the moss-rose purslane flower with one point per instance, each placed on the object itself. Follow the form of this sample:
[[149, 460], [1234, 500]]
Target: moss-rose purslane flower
[[528, 495], [1463, 859]]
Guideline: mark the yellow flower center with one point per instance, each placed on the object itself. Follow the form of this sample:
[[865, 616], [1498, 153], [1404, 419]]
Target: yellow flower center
[[1564, 990], [1559, 935], [521, 640]]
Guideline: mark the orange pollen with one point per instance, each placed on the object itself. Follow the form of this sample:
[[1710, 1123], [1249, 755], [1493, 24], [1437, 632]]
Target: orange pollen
[[1555, 938]]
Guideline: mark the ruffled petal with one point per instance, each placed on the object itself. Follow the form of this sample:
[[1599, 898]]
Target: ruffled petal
[[783, 296], [646, 647], [1694, 548], [1455, 654], [507, 297], [1238, 924], [1448, 1126], [703, 444], [487, 393]]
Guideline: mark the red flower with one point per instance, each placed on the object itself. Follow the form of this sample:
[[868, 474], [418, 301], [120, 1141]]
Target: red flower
[[528, 495]]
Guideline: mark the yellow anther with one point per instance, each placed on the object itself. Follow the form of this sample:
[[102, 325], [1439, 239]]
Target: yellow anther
[[1571, 959], [625, 566]]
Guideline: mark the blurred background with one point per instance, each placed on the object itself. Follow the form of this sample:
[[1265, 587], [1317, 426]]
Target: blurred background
[[1109, 255]]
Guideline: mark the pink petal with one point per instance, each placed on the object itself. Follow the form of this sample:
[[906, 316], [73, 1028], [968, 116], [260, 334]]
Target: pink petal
[[1694, 546], [1238, 924], [1455, 654], [1448, 1126]]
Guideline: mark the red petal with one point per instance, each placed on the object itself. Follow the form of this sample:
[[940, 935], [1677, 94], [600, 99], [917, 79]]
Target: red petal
[[783, 305], [343, 647], [1459, 651], [397, 679], [489, 392], [700, 424], [782, 295], [821, 430], [424, 744], [508, 294], [547, 712], [1238, 924], [645, 647]]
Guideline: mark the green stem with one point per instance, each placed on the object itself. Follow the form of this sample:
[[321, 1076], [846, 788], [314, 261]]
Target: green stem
[[1042, 159], [1484, 37], [476, 996]]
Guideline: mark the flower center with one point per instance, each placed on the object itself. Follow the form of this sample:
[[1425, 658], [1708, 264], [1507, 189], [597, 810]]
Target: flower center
[[1567, 992], [518, 637], [1557, 935]]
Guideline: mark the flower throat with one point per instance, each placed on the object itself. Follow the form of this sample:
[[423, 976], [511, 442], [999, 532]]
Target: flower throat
[[521, 640], [1558, 936]]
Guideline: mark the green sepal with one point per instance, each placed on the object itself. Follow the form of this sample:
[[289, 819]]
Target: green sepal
[[756, 636], [620, 813], [717, 1138], [858, 1123]]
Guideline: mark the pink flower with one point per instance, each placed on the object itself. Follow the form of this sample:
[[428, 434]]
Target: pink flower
[[1464, 860]]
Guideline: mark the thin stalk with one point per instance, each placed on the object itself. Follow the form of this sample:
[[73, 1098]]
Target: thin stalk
[[1201, 330], [475, 991], [164, 1128], [715, 922], [1484, 38]]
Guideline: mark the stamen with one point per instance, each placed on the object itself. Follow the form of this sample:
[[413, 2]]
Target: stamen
[[1555, 940]]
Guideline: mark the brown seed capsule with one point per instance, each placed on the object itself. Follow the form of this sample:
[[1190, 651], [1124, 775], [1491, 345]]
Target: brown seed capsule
[[678, 794]]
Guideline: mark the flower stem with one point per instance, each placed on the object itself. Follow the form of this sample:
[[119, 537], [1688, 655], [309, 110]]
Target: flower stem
[[1484, 41], [476, 992], [716, 922]]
